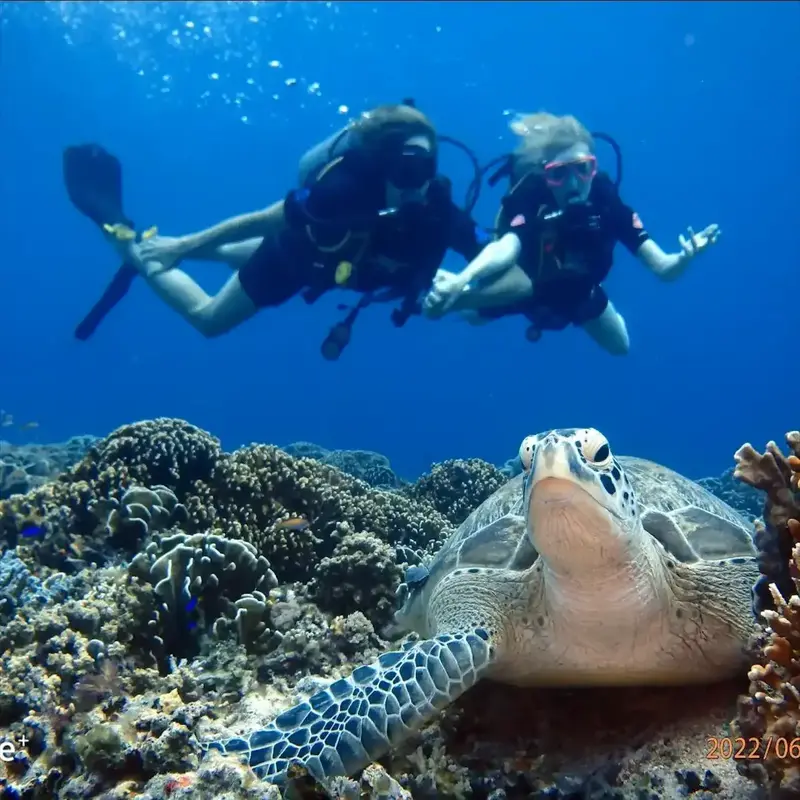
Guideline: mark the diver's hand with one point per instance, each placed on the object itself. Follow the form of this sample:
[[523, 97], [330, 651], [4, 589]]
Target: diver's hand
[[447, 286], [130, 251], [168, 251], [696, 243]]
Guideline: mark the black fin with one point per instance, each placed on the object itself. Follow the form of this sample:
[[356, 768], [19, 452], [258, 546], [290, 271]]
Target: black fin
[[93, 179], [114, 292]]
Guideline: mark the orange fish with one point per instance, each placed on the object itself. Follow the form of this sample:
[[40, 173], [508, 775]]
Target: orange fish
[[293, 524]]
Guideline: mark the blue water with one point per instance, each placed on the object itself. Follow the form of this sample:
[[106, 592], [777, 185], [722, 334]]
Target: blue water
[[703, 98]]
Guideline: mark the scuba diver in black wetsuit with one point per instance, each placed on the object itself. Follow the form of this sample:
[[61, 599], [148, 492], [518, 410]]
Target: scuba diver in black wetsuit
[[555, 236], [370, 214]]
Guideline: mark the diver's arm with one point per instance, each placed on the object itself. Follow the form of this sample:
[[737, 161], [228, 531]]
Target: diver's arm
[[257, 224], [494, 260], [667, 266]]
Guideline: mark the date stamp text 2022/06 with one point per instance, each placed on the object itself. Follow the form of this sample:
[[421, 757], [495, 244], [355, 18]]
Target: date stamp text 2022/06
[[752, 749]]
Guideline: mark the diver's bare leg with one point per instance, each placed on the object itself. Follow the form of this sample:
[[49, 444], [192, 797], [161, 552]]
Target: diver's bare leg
[[211, 316], [233, 255], [610, 331]]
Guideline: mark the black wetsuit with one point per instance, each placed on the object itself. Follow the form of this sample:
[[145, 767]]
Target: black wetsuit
[[567, 255], [416, 237]]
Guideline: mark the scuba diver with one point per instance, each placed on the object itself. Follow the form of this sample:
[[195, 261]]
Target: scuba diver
[[370, 214], [555, 236]]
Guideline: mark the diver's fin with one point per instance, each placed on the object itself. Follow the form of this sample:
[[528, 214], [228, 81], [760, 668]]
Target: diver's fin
[[93, 178], [114, 292]]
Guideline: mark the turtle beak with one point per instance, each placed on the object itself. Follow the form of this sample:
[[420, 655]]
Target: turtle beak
[[568, 525]]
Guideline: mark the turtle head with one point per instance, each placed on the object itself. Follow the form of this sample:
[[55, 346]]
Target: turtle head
[[579, 504]]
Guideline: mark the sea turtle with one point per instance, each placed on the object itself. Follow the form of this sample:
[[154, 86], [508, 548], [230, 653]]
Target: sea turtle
[[585, 570]]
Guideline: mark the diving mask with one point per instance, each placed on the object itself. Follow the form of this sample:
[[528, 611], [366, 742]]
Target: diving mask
[[410, 167], [556, 173]]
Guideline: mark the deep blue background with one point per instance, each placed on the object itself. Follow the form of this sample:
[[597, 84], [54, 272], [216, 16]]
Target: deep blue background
[[703, 98]]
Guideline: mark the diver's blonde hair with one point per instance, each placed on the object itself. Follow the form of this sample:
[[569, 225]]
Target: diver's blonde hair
[[375, 125], [543, 135]]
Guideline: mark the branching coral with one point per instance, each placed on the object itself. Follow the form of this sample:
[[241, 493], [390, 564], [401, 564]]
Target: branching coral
[[293, 511], [777, 476], [360, 574], [258, 489], [458, 486], [162, 452], [771, 712]]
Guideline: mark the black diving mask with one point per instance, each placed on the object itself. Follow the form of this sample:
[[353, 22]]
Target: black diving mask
[[411, 167]]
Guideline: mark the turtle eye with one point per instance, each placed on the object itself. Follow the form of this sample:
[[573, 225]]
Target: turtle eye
[[526, 451], [597, 450]]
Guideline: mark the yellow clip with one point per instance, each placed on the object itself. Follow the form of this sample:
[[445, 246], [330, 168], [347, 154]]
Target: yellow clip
[[122, 233], [343, 272]]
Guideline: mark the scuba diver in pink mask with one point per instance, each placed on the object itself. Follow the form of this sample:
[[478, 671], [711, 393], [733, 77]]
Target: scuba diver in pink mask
[[555, 236]]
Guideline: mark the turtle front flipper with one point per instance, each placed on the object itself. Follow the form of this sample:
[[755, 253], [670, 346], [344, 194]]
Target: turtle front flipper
[[355, 720]]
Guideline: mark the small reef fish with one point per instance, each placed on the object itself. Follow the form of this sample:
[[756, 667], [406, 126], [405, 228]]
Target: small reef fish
[[293, 524], [7, 420], [32, 530]]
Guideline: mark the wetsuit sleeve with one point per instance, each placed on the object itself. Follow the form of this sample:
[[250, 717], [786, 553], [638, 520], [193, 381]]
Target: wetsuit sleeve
[[467, 238], [627, 226]]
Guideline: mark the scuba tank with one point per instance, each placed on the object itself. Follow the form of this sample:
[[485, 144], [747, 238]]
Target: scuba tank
[[321, 155]]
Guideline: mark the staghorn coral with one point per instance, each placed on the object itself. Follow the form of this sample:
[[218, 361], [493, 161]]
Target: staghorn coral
[[457, 487], [771, 711], [203, 574]]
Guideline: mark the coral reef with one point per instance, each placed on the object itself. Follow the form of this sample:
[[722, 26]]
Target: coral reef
[[455, 487], [26, 466], [161, 591], [372, 468], [770, 714]]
